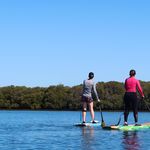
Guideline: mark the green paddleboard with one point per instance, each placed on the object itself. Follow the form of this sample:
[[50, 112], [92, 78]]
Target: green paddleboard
[[128, 128]]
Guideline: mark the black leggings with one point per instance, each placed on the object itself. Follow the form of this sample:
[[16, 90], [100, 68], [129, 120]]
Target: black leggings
[[131, 100]]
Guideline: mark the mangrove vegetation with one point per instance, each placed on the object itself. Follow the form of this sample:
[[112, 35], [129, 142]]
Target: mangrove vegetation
[[62, 97]]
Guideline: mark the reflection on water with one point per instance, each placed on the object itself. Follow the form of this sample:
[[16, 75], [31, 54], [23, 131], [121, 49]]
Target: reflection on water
[[88, 138], [131, 141]]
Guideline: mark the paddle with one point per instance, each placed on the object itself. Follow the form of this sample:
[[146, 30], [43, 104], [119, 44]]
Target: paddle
[[119, 120], [146, 105], [144, 100], [102, 119]]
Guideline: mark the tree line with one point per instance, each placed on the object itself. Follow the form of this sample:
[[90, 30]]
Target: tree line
[[62, 97]]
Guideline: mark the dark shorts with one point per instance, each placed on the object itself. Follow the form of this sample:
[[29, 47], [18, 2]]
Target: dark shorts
[[87, 99]]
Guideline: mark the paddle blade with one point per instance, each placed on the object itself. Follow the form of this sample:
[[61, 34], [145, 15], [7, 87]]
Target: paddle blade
[[103, 124]]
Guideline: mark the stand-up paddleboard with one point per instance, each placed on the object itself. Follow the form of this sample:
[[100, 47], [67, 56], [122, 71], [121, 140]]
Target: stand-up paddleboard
[[88, 124], [128, 128]]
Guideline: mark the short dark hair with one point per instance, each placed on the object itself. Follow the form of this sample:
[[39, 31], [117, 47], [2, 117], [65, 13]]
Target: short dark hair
[[132, 73], [91, 75]]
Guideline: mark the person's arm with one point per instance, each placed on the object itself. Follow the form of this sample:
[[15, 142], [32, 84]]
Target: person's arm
[[83, 84], [125, 85], [83, 87], [140, 88], [95, 91]]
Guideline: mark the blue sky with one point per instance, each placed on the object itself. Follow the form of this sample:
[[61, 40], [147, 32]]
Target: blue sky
[[46, 42]]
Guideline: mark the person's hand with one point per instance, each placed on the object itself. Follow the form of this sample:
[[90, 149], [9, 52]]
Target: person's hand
[[142, 97], [99, 100]]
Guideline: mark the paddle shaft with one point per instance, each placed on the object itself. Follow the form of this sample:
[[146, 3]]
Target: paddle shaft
[[146, 105], [119, 120], [101, 113]]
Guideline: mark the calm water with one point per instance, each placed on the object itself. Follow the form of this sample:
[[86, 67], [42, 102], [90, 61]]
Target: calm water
[[53, 130]]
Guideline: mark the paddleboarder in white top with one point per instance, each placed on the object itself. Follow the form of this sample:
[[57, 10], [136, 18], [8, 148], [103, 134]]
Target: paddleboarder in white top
[[88, 88]]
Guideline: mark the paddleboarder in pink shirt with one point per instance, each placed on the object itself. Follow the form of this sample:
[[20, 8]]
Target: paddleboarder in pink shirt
[[132, 85]]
